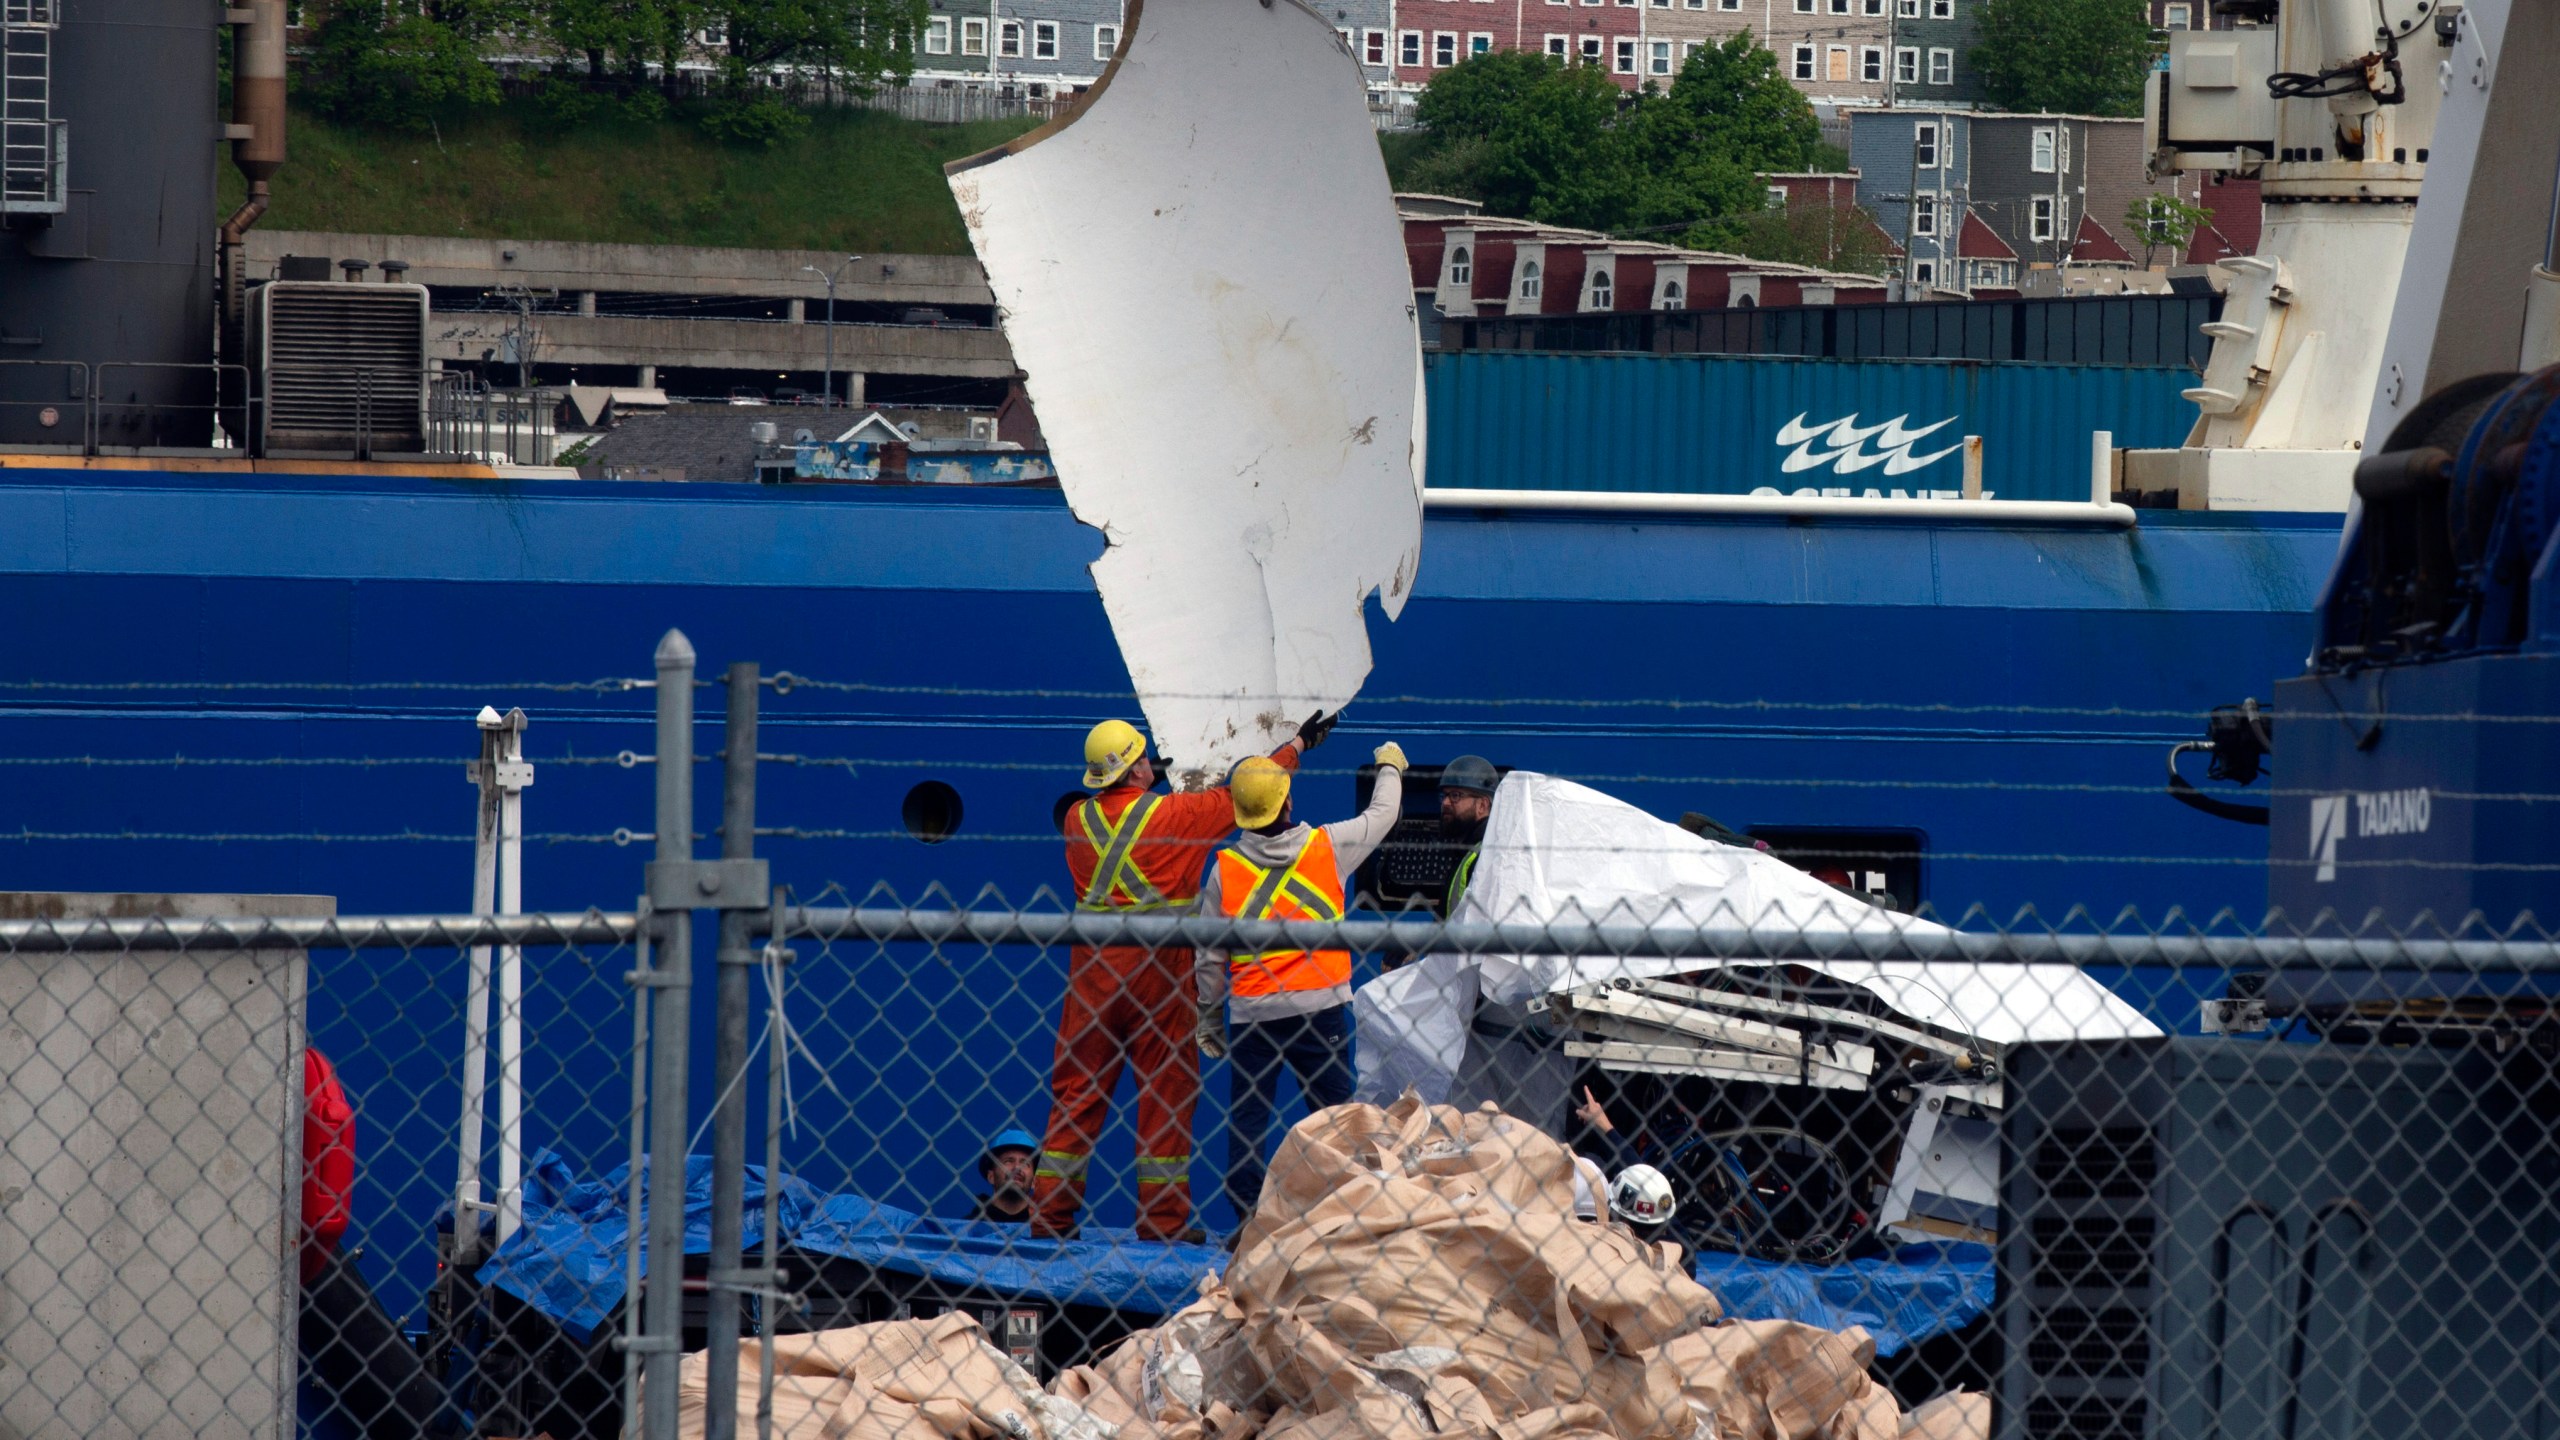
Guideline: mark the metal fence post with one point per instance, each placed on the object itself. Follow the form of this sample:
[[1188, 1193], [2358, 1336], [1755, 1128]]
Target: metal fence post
[[670, 1039], [737, 956]]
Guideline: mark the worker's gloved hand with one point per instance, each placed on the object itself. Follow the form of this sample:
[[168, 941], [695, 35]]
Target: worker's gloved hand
[[1390, 753], [1213, 1033], [1313, 729]]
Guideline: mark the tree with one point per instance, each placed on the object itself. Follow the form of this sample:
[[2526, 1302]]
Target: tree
[[2080, 57], [395, 67], [1843, 238], [1533, 137], [1473, 98], [2163, 222]]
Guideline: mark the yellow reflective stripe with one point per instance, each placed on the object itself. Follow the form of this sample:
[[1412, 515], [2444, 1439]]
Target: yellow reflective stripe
[[1113, 870], [1163, 1169], [1061, 1165]]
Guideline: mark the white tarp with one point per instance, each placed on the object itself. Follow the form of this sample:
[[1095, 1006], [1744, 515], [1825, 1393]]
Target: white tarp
[[1202, 275], [1554, 850]]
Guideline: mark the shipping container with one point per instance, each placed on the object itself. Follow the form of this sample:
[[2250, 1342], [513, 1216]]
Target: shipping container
[[2166, 331], [1702, 424]]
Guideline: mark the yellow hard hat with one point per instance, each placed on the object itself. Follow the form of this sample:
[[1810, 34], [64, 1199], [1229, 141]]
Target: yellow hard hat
[[1259, 788], [1110, 748]]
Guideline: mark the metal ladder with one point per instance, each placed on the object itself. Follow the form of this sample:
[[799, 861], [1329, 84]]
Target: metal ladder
[[33, 149]]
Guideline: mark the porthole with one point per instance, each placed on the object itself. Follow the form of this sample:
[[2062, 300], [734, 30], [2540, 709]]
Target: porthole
[[1062, 814], [932, 812]]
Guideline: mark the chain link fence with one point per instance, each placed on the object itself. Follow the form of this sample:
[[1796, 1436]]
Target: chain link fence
[[1652, 1135]]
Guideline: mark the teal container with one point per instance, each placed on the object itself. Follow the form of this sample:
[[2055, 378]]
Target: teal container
[[1732, 425]]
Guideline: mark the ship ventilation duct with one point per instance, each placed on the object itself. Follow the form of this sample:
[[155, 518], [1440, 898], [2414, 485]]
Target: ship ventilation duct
[[339, 369]]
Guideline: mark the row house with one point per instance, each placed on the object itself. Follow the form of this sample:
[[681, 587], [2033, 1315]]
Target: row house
[[1838, 52], [1930, 177], [1471, 266]]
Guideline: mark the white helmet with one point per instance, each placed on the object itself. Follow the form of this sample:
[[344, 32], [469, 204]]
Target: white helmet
[[1589, 1184], [1641, 1196]]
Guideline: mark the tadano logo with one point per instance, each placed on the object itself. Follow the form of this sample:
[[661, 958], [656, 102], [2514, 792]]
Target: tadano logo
[[1842, 445], [2377, 812]]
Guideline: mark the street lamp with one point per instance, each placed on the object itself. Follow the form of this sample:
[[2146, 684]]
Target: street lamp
[[827, 386]]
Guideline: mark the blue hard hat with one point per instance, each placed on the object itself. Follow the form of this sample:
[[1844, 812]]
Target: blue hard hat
[[1016, 1138], [1469, 772]]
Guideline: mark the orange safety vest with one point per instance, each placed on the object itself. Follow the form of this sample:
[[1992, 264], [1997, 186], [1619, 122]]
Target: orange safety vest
[[1307, 888]]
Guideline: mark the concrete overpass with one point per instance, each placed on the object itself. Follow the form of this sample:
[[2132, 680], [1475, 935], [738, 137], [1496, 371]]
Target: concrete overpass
[[648, 309]]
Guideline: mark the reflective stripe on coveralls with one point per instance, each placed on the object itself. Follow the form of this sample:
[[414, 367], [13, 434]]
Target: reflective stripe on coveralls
[[1061, 1165], [1307, 888], [1118, 884]]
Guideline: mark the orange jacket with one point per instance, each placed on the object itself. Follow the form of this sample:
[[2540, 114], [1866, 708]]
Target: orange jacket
[[1181, 835], [1309, 887]]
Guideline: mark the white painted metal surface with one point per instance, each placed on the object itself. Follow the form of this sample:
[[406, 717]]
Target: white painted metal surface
[[1202, 275], [497, 888], [1802, 507]]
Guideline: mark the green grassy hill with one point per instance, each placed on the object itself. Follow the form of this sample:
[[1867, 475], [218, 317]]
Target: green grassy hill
[[858, 180]]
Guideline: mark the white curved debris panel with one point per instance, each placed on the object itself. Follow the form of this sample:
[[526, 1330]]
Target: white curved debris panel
[[1557, 851], [1202, 275]]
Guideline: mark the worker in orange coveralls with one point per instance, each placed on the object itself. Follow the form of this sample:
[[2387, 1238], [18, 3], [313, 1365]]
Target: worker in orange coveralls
[[1129, 848]]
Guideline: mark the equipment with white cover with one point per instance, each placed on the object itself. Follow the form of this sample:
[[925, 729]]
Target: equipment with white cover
[[1513, 1029]]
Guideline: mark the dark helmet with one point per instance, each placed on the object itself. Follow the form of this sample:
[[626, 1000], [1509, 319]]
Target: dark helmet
[[1469, 772]]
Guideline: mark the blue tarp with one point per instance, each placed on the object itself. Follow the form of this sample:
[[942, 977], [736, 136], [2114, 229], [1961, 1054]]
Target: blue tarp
[[1901, 1298], [567, 1260], [1102, 1266]]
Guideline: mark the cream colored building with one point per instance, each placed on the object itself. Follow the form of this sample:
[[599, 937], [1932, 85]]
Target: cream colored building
[[1839, 51]]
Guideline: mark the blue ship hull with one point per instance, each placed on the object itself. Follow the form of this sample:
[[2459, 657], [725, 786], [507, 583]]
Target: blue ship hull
[[2005, 693]]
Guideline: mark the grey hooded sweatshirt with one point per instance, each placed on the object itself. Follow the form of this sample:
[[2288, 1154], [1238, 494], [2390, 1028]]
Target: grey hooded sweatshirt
[[1353, 841]]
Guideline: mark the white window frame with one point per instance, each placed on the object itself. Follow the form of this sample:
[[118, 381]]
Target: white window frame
[[1728, 4], [1942, 65], [1560, 47], [1942, 9], [1658, 56], [714, 35], [1804, 7], [1838, 66], [1106, 41], [1444, 49], [1672, 296], [1462, 265], [1533, 280], [2177, 17], [1625, 57], [1373, 47], [973, 26], [1872, 7], [1802, 68], [1871, 64], [2040, 217], [1409, 49], [1350, 39], [1044, 39], [1925, 139], [1689, 48], [2040, 150], [1594, 49], [1008, 39], [1924, 215], [1479, 42], [1906, 64], [2062, 147], [1839, 7], [1906, 9], [1774, 197], [1924, 272], [937, 35], [1601, 291]]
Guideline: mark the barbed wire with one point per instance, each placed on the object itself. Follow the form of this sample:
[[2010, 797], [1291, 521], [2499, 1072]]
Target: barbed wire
[[283, 837], [609, 685]]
